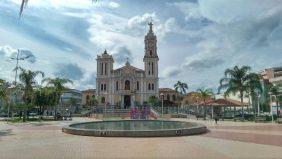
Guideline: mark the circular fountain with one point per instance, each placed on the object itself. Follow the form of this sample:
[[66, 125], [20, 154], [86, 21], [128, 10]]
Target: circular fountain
[[135, 128]]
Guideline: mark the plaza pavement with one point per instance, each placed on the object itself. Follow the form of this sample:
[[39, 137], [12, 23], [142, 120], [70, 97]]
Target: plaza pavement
[[227, 140]]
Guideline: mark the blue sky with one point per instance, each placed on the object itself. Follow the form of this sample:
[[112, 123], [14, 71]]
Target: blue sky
[[197, 40]]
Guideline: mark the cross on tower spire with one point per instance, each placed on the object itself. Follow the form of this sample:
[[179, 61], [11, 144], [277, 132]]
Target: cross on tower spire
[[151, 25]]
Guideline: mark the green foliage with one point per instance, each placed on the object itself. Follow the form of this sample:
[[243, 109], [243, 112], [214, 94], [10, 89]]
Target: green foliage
[[154, 101], [28, 82], [181, 87], [239, 80], [58, 85]]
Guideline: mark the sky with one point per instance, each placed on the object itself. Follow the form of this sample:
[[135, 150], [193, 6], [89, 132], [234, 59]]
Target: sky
[[197, 39]]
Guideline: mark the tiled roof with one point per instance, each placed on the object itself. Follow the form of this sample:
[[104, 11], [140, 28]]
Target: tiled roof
[[223, 102], [166, 90], [89, 90]]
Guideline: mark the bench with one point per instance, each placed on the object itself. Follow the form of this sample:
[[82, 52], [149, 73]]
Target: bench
[[260, 119]]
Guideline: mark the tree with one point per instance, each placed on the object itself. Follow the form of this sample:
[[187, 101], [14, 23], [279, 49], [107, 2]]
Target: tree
[[254, 88], [276, 91], [154, 101], [236, 80], [27, 78], [204, 95], [181, 87], [58, 84], [4, 97], [93, 101], [44, 97]]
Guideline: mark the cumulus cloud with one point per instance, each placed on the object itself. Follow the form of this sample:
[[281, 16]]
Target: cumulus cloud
[[10, 53], [203, 64], [70, 71], [69, 4], [170, 72], [121, 54]]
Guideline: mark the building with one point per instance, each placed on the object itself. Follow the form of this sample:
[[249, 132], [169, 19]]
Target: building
[[124, 87], [272, 75], [171, 97], [71, 97], [87, 97], [192, 97]]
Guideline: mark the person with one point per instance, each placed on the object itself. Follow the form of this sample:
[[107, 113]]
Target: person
[[216, 118]]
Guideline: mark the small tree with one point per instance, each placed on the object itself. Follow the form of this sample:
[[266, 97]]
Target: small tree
[[204, 95], [27, 78], [154, 101]]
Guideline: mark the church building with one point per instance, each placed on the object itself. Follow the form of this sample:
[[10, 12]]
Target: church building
[[126, 86]]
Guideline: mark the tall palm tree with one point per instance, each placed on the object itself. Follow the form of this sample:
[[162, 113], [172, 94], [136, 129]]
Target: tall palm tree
[[182, 88], [204, 95], [235, 80], [28, 81], [276, 91], [58, 84], [254, 87]]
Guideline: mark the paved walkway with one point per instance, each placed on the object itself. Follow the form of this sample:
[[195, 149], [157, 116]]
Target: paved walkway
[[226, 140]]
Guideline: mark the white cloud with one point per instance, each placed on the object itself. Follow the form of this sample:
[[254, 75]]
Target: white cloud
[[190, 9], [114, 5], [7, 51], [69, 4], [170, 72]]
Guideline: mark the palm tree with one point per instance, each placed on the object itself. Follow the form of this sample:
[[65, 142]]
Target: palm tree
[[27, 78], [182, 87], [276, 91], [204, 95], [254, 88], [236, 80], [58, 85]]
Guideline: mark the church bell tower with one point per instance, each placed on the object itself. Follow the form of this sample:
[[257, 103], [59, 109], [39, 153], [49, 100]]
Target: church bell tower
[[151, 60], [151, 57]]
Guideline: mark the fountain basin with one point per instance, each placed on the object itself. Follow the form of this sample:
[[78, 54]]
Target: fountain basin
[[135, 128]]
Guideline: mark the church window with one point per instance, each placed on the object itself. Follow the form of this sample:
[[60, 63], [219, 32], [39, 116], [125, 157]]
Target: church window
[[105, 87], [127, 85], [149, 72], [102, 87], [149, 86], [137, 85], [153, 86], [152, 68], [151, 52], [103, 100], [101, 66], [106, 68], [117, 85]]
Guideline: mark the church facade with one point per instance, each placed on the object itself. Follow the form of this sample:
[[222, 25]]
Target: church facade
[[126, 86]]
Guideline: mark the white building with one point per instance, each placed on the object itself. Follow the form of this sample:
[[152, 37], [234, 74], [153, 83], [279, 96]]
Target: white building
[[126, 86]]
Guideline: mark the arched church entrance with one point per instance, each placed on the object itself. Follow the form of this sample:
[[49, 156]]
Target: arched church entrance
[[127, 101]]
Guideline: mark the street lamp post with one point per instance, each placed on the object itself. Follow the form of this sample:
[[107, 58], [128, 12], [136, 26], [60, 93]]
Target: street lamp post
[[271, 111], [258, 105], [162, 96]]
